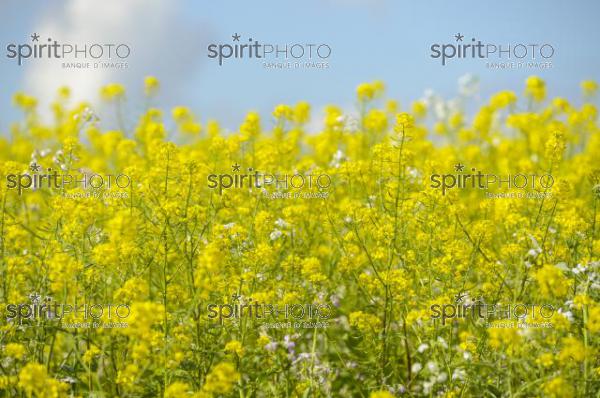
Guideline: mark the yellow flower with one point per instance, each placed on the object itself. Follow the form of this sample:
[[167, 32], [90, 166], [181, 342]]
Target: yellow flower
[[506, 337], [263, 340], [34, 380], [376, 120], [546, 360], [581, 300], [221, 379], [551, 281], [134, 289], [556, 145], [404, 121], [561, 104], [143, 316], [251, 126], [364, 322], [482, 122], [391, 107], [7, 381], [589, 88], [151, 85], [191, 127], [369, 91], [440, 128], [112, 91], [456, 120], [284, 112], [15, 350], [90, 353], [593, 322], [235, 347], [365, 91], [24, 101], [212, 128], [573, 350], [177, 389], [64, 92], [558, 388], [128, 375], [181, 113], [503, 99], [185, 120], [61, 269], [333, 117], [381, 394], [302, 112], [311, 269], [535, 88], [419, 109]]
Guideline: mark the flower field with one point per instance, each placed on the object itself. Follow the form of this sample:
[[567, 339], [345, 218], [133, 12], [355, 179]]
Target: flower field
[[418, 250]]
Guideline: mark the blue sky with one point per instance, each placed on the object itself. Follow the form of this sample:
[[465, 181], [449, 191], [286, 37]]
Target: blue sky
[[377, 39]]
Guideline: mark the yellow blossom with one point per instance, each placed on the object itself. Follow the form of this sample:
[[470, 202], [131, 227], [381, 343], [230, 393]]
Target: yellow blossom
[[151, 85], [535, 88], [234, 347], [112, 91], [221, 379]]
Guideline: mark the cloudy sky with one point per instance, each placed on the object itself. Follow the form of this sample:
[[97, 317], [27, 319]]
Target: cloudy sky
[[377, 39]]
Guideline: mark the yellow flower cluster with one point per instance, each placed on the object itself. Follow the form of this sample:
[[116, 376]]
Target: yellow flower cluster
[[222, 286]]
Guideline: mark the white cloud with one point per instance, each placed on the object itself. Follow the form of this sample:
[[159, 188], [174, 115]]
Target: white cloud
[[161, 44]]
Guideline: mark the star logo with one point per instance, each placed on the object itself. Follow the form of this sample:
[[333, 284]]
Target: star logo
[[460, 296], [459, 167], [235, 167], [34, 297], [34, 167], [236, 37], [235, 297], [459, 37], [35, 37]]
